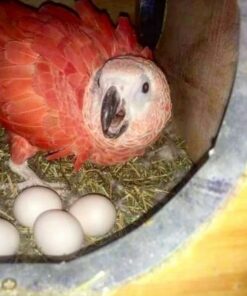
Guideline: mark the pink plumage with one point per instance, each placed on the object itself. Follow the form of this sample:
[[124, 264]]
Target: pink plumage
[[47, 59]]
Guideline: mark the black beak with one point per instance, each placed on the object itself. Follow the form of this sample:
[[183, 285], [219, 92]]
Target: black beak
[[109, 108], [109, 111]]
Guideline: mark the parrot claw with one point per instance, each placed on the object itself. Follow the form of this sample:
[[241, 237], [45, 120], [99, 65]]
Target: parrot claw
[[31, 179]]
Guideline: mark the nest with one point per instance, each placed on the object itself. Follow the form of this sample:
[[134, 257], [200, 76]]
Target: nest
[[134, 187]]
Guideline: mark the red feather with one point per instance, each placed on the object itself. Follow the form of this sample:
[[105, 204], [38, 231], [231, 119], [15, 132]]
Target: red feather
[[46, 60]]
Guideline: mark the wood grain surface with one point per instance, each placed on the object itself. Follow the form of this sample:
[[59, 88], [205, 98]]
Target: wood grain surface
[[198, 51], [212, 263]]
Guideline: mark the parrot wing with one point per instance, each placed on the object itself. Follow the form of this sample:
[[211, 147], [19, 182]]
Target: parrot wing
[[123, 38], [46, 60]]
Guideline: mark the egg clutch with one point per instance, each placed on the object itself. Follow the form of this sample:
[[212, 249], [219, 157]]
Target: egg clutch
[[133, 188], [57, 232]]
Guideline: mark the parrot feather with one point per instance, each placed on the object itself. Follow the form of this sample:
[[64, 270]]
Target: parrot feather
[[48, 60], [20, 53], [64, 15]]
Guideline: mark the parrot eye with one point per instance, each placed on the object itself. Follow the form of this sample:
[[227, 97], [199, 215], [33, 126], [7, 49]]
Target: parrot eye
[[145, 87]]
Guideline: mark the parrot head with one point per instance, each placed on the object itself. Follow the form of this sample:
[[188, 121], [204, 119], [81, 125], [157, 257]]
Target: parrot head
[[126, 105]]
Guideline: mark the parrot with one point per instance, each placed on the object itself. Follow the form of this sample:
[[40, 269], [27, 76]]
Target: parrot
[[72, 83]]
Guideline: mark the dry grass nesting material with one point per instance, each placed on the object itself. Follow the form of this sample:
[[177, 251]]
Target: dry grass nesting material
[[134, 187]]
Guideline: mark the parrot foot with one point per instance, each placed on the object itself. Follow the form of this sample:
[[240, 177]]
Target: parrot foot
[[31, 179]]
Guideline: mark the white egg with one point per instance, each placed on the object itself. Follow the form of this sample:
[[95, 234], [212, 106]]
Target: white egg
[[96, 214], [9, 239], [58, 233], [32, 202]]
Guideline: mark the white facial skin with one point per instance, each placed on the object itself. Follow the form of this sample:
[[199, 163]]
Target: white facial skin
[[129, 85], [138, 91]]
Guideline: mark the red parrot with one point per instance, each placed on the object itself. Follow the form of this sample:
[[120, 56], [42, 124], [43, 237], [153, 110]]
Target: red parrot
[[71, 83]]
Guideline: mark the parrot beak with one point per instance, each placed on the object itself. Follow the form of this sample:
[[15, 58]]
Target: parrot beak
[[113, 114]]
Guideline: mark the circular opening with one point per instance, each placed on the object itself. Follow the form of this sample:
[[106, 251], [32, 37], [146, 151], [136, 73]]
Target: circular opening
[[197, 50]]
